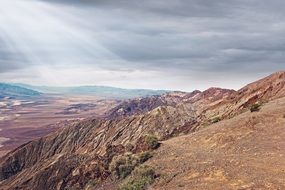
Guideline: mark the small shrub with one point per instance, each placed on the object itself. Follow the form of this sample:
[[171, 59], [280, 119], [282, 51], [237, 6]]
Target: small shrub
[[125, 170], [122, 165], [255, 107], [144, 171], [142, 177], [152, 142], [216, 120], [204, 125], [144, 156], [116, 162]]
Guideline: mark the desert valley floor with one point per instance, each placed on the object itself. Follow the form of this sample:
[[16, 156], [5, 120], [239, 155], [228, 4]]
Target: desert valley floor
[[25, 120]]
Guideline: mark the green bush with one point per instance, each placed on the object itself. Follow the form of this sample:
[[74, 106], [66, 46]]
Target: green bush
[[144, 156], [144, 171], [122, 165], [142, 177], [152, 142], [255, 107], [216, 119], [125, 170]]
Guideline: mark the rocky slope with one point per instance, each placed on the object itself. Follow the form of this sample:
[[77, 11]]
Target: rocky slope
[[202, 100], [143, 105], [81, 152], [245, 152]]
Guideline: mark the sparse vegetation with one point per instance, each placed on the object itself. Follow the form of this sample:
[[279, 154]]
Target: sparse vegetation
[[144, 156], [125, 170], [204, 125], [123, 165], [152, 142], [216, 119], [255, 107], [142, 177]]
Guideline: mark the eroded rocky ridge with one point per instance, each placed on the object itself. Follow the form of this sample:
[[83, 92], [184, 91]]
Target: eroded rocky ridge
[[82, 151]]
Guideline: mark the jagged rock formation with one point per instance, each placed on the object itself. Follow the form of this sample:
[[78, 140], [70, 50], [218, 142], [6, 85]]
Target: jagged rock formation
[[82, 151], [142, 105]]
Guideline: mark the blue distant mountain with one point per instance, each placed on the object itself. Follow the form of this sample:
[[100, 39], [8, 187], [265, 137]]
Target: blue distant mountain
[[13, 91], [100, 91]]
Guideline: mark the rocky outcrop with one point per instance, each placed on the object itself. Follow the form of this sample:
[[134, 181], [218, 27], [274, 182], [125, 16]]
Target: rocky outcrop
[[143, 105], [136, 106]]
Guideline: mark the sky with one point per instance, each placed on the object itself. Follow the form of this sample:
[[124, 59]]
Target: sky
[[153, 44]]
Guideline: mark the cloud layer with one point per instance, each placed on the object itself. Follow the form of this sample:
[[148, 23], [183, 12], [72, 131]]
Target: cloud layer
[[172, 44]]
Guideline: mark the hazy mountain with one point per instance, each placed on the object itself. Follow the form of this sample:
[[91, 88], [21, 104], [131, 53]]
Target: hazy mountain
[[100, 91], [13, 91]]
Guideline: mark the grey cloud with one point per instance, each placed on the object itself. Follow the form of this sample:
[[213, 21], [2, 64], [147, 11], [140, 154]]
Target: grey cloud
[[174, 37], [188, 8], [10, 59]]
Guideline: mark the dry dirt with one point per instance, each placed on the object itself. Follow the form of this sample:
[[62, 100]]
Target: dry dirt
[[245, 152]]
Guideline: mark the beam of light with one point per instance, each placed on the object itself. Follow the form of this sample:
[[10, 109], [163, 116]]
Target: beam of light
[[46, 35]]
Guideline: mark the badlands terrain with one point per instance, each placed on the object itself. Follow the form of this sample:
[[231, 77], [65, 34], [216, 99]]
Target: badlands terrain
[[212, 139], [27, 114]]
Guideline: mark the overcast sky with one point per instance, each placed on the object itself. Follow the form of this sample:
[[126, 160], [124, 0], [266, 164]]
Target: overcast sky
[[157, 44]]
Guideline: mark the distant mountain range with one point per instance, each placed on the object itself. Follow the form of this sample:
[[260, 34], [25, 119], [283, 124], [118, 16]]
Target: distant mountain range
[[100, 91], [13, 91]]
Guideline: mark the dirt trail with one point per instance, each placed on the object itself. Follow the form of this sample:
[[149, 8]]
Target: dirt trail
[[246, 152]]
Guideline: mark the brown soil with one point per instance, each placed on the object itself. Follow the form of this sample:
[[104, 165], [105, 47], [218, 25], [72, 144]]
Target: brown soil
[[246, 152]]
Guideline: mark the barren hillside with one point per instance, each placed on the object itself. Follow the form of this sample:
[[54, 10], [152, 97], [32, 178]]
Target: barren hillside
[[246, 152]]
